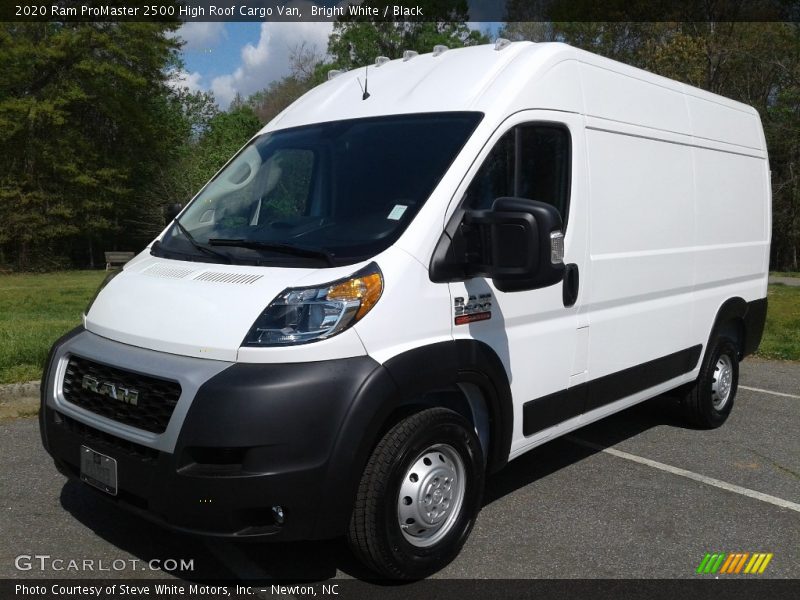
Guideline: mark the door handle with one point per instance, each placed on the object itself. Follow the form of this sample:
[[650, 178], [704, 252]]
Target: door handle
[[571, 285]]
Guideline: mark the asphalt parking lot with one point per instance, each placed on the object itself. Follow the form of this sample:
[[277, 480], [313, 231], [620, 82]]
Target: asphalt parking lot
[[638, 495]]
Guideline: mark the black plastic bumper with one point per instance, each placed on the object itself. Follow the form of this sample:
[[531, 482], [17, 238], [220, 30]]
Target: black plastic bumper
[[256, 436]]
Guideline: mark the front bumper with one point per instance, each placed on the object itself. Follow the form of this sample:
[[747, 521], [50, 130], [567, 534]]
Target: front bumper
[[242, 438]]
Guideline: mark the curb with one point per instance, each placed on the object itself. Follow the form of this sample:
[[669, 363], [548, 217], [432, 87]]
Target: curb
[[19, 400], [790, 281], [15, 391]]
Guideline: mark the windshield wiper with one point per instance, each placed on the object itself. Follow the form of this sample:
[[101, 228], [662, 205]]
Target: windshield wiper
[[277, 247], [198, 245]]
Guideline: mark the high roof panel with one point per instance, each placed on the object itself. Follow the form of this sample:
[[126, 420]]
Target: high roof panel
[[453, 80], [524, 75]]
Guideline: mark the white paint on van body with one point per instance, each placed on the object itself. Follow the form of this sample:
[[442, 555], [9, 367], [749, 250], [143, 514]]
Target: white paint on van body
[[669, 217]]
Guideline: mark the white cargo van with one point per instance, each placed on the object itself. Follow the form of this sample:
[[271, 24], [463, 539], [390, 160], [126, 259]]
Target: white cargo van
[[414, 274]]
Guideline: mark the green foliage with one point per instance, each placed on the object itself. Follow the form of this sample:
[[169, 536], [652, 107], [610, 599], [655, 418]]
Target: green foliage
[[200, 156], [270, 101], [291, 194], [94, 142], [782, 332], [80, 105], [190, 115], [229, 131], [36, 311], [192, 112], [755, 63], [356, 42], [307, 70]]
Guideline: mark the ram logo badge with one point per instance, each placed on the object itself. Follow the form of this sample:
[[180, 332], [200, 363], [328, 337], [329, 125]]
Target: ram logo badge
[[476, 308], [110, 389]]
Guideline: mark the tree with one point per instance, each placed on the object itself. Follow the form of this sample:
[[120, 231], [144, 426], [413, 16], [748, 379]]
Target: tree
[[227, 133], [757, 63], [198, 159], [173, 180], [84, 120], [355, 42], [306, 71]]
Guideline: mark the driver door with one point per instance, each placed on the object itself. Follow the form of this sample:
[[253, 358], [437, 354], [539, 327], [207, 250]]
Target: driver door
[[540, 335]]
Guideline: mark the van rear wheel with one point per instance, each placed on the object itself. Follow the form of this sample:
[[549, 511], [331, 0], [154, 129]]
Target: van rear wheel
[[419, 495], [709, 401]]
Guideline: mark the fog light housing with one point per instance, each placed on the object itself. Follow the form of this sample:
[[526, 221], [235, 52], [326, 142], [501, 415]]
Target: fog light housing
[[278, 514]]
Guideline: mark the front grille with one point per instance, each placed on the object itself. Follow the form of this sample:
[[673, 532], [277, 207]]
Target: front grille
[[102, 439], [155, 401]]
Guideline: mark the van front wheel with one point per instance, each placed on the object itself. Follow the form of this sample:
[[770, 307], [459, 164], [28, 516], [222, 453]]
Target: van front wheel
[[419, 495], [710, 400]]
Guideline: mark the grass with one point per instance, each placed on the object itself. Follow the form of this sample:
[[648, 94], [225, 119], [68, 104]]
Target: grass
[[35, 310], [785, 273], [782, 333]]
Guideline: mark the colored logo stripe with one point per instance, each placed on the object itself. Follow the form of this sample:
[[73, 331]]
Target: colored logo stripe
[[758, 563], [734, 562], [711, 562]]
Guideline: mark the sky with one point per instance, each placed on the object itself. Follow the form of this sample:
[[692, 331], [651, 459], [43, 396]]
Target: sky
[[226, 58]]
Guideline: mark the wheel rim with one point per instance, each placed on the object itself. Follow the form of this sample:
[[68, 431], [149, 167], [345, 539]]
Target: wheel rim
[[431, 495], [722, 384]]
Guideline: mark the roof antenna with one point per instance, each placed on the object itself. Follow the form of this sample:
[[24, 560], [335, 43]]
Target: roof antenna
[[364, 90]]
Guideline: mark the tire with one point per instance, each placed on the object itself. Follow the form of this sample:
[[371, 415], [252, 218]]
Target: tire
[[432, 456], [709, 401]]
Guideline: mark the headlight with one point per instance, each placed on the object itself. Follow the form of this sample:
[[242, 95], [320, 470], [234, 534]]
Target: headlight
[[105, 282], [301, 315]]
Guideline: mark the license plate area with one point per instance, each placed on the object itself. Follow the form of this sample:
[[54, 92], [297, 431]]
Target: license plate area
[[99, 470]]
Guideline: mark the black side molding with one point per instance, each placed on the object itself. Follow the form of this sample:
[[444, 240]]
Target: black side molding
[[550, 410], [544, 412]]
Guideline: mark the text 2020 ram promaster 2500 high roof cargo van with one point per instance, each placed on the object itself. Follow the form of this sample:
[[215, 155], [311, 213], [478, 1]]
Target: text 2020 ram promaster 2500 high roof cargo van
[[414, 274]]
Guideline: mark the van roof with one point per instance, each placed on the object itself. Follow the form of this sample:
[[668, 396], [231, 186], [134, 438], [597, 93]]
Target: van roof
[[500, 79]]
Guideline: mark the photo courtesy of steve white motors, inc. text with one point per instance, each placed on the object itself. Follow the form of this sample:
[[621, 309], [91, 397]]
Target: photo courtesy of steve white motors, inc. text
[[140, 590]]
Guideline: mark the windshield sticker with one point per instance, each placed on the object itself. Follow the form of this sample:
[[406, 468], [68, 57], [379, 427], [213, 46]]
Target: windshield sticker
[[397, 212]]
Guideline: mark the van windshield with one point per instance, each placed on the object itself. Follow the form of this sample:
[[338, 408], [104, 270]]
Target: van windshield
[[320, 195]]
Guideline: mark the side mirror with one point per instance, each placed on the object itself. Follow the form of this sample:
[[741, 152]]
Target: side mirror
[[518, 244], [172, 210]]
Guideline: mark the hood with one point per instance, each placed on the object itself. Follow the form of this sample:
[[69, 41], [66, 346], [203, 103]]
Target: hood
[[194, 309]]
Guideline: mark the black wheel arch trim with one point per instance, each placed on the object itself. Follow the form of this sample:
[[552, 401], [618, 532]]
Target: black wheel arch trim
[[462, 361], [752, 315], [397, 383]]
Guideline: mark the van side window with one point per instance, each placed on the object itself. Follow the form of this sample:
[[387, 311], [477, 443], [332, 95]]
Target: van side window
[[529, 161]]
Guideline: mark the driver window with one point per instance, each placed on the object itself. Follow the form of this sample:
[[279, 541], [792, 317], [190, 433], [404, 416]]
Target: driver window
[[529, 161]]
